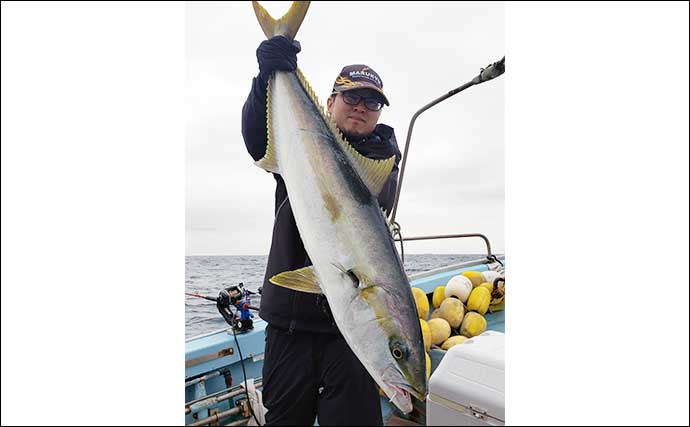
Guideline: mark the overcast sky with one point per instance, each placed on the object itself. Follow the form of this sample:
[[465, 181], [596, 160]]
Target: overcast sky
[[454, 179]]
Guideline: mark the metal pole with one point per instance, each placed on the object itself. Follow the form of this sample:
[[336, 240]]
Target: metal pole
[[202, 404], [204, 378], [409, 136], [490, 72], [208, 396], [451, 236], [216, 417], [241, 422]]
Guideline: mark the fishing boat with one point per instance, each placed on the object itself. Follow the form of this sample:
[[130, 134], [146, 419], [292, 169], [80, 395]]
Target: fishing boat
[[223, 368], [216, 363]]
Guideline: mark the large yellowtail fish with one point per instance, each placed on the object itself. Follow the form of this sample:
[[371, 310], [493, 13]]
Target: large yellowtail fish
[[332, 192]]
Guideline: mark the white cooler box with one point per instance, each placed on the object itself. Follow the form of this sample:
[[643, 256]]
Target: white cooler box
[[467, 387]]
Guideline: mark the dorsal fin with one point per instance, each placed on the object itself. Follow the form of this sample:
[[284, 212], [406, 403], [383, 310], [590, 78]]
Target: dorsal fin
[[373, 173], [269, 161]]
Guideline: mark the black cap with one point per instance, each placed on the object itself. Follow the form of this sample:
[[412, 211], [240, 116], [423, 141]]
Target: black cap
[[359, 76]]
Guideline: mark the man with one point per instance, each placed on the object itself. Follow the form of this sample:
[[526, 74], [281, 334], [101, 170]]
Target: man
[[309, 370]]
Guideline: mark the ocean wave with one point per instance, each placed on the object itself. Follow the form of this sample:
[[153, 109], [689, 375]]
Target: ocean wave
[[207, 275]]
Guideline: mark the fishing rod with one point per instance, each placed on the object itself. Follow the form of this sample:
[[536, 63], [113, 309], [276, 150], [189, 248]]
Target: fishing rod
[[233, 296], [251, 307], [201, 296], [238, 297]]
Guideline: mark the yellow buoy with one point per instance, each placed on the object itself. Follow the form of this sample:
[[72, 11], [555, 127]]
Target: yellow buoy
[[489, 286], [474, 324], [479, 300], [428, 366], [426, 334], [440, 330], [475, 277], [439, 296], [453, 341], [453, 311], [422, 303]]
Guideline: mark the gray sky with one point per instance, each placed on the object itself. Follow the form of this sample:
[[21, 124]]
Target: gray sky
[[454, 179]]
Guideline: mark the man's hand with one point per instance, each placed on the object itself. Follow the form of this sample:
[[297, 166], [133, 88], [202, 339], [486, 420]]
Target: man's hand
[[277, 53]]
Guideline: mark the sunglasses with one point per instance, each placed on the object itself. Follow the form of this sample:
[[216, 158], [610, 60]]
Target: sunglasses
[[372, 103]]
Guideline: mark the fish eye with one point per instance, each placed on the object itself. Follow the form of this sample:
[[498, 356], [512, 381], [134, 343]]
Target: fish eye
[[399, 351]]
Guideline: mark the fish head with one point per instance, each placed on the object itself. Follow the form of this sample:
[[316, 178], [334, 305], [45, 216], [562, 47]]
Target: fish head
[[404, 373], [383, 329]]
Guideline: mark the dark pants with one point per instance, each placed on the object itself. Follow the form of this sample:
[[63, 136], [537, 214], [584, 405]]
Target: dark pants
[[308, 374]]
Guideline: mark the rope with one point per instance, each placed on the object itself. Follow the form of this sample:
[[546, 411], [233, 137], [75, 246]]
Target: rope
[[395, 232], [495, 259]]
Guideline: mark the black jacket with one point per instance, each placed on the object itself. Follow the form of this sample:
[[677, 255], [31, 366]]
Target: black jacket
[[283, 307]]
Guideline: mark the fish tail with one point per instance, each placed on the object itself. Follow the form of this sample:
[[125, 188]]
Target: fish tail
[[287, 25]]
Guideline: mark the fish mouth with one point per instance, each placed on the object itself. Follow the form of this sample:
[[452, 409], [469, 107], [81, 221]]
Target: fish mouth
[[399, 391], [407, 389], [400, 397]]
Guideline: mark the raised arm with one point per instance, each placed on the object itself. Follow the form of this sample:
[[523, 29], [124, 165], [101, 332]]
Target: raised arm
[[276, 53]]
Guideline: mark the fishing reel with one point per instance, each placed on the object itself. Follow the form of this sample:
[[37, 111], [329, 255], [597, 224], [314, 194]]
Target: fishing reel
[[238, 297]]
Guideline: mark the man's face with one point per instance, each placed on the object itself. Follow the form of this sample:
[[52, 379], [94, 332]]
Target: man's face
[[357, 120]]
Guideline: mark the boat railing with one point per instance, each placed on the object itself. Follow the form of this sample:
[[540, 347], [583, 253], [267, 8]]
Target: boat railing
[[395, 232], [490, 72], [489, 255]]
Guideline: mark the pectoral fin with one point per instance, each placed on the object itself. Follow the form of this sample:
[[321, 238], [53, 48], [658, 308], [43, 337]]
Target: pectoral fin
[[302, 280]]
